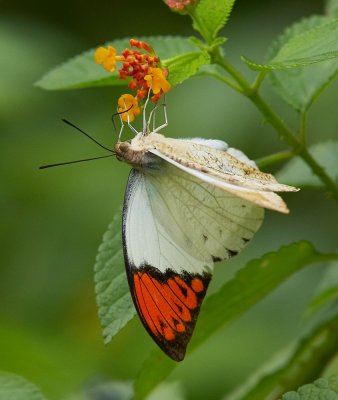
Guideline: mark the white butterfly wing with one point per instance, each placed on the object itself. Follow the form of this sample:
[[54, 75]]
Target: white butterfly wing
[[262, 198], [174, 227]]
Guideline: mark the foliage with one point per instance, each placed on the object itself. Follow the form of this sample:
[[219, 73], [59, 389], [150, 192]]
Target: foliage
[[209, 17], [332, 8], [81, 72], [14, 387], [305, 46], [301, 64], [327, 290], [297, 172], [300, 86], [115, 307], [319, 389], [285, 369]]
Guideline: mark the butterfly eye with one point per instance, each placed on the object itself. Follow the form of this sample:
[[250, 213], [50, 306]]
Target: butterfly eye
[[122, 147]]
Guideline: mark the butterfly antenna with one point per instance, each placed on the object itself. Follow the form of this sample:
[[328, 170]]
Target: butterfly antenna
[[115, 128], [86, 134], [74, 162]]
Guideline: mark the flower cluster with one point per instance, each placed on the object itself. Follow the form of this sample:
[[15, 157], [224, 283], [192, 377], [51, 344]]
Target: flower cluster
[[143, 67], [179, 5]]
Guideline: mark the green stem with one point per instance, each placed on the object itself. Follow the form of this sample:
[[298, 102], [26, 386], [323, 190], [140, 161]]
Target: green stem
[[223, 79], [310, 357], [218, 58], [274, 158], [260, 77], [302, 127], [284, 131], [320, 172], [325, 257]]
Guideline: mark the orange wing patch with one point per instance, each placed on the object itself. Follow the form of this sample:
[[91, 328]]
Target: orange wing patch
[[168, 305]]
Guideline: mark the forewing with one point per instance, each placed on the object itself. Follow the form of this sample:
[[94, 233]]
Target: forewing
[[227, 165], [262, 198], [174, 228]]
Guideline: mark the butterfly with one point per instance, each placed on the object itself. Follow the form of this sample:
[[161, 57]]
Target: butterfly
[[188, 204]]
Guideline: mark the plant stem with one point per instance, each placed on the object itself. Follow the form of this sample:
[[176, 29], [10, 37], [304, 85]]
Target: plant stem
[[326, 257], [274, 158], [259, 80], [310, 356], [284, 131], [234, 85], [302, 127]]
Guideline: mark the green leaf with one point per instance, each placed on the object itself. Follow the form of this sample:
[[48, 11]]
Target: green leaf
[[14, 387], [309, 47], [300, 363], [321, 389], [116, 390], [209, 17], [186, 65], [332, 8], [82, 71], [167, 391], [297, 173], [301, 86], [327, 290], [115, 305], [252, 283]]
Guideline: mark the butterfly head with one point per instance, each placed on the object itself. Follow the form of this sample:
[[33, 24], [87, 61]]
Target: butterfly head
[[132, 153], [136, 152]]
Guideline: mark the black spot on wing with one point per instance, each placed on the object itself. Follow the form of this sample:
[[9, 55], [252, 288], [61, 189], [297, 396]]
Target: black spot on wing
[[232, 253]]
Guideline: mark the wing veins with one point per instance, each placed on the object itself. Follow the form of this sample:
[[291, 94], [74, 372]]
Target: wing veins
[[177, 248], [219, 214], [216, 212], [145, 303], [216, 197], [158, 308], [176, 296], [220, 243], [173, 216], [178, 317], [154, 219]]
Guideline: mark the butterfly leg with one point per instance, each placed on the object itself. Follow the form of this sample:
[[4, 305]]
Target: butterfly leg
[[165, 120], [152, 115], [129, 124], [145, 124]]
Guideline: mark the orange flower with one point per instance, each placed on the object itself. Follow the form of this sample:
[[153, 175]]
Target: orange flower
[[142, 67], [130, 103], [141, 45], [156, 81], [106, 57]]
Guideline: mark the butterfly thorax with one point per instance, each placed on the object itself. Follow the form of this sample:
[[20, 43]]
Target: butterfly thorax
[[135, 153]]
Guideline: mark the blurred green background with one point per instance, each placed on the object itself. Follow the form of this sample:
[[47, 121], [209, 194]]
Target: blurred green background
[[53, 220]]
